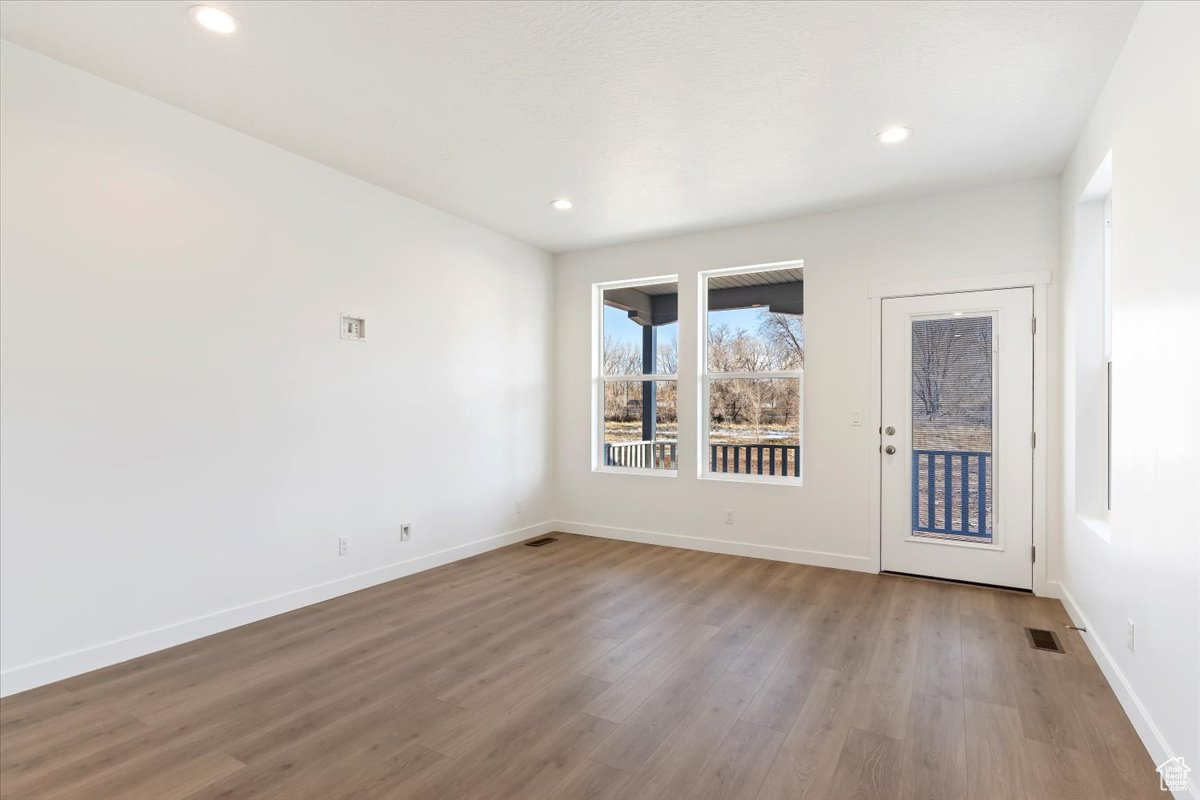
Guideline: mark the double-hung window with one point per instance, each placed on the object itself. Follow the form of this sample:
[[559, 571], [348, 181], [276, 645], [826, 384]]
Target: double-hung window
[[636, 376], [752, 373]]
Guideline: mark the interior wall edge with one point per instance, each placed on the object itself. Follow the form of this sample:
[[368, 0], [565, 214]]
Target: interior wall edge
[[793, 555], [1143, 723], [39, 673]]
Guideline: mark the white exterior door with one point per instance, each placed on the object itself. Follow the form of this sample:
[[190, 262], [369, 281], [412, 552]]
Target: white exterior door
[[957, 437]]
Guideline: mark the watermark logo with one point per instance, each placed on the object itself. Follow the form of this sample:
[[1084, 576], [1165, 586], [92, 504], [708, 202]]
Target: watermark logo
[[1172, 775]]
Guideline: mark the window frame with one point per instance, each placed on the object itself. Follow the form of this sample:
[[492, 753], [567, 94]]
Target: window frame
[[704, 379], [599, 379], [1107, 322]]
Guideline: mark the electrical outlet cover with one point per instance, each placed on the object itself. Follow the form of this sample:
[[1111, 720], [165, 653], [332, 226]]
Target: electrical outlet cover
[[353, 328]]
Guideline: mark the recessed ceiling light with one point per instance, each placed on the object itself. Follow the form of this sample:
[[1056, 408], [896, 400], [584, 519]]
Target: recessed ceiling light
[[214, 19], [958, 313], [562, 204], [894, 135]]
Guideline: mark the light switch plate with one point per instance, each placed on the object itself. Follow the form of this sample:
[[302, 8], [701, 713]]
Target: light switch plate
[[354, 329]]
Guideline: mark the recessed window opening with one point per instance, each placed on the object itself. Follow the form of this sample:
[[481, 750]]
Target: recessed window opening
[[1108, 353], [1095, 373], [752, 373], [637, 423]]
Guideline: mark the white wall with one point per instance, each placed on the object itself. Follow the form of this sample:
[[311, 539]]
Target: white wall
[[1149, 569], [1005, 229], [184, 435]]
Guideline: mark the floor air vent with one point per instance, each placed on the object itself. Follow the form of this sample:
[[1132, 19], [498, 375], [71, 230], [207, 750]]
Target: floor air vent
[[1040, 639], [540, 542]]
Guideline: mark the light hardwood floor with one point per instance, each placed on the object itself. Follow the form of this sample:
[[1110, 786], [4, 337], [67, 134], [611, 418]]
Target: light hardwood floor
[[597, 669]]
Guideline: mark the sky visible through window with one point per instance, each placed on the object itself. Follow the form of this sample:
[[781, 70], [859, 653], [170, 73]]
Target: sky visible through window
[[621, 328]]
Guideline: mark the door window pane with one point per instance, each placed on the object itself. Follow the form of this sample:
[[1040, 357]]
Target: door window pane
[[952, 424]]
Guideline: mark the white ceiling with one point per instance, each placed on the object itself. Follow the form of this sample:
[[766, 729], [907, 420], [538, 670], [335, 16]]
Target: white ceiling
[[653, 117]]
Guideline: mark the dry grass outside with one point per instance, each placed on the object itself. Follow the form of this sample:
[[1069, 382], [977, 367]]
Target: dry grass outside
[[722, 433], [615, 431], [727, 433], [939, 435]]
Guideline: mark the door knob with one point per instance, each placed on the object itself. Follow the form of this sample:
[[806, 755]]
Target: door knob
[[890, 450]]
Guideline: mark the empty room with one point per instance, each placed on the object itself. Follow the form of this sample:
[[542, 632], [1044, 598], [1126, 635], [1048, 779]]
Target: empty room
[[599, 399]]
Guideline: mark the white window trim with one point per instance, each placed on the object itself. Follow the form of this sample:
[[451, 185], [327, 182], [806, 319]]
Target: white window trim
[[1108, 358], [1108, 263], [599, 379], [705, 379]]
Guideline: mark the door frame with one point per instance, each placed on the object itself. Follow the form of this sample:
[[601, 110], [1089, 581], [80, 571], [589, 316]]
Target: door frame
[[1038, 281]]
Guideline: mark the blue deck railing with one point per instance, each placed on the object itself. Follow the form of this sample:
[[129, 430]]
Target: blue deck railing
[[950, 492], [746, 459]]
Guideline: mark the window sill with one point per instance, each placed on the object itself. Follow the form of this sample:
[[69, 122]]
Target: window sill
[[652, 473], [743, 478], [1096, 525]]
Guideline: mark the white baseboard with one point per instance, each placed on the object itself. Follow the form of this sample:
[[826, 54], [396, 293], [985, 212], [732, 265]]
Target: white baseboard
[[39, 673], [1149, 733], [793, 555]]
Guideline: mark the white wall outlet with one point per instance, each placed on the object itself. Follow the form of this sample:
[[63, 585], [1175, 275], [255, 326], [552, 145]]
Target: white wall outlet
[[405, 531], [728, 516], [520, 507], [343, 545], [353, 329], [1129, 635]]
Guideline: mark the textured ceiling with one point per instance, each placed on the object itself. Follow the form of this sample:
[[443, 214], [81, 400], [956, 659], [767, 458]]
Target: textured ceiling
[[653, 117]]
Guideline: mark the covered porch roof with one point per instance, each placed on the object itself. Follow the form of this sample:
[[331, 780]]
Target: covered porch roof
[[781, 291]]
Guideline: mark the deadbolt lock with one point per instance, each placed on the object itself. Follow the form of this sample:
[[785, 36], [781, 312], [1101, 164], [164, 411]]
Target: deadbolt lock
[[889, 430]]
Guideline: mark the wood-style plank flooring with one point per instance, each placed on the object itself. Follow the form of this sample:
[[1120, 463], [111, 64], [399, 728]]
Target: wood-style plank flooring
[[591, 668]]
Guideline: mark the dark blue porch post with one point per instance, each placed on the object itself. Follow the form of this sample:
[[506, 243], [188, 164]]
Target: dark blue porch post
[[649, 366]]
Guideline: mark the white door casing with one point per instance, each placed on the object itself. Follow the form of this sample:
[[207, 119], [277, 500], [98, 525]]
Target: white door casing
[[956, 384]]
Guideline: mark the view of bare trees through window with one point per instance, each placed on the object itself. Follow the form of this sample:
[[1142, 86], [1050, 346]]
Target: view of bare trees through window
[[640, 341], [623, 411], [754, 360], [623, 399], [754, 410], [624, 357], [952, 427], [952, 383], [754, 363]]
